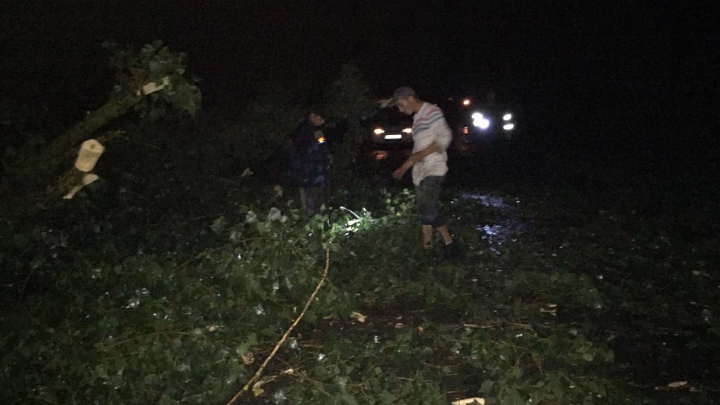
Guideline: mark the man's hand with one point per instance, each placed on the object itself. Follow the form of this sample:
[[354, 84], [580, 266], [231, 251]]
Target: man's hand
[[414, 158], [384, 103], [399, 173]]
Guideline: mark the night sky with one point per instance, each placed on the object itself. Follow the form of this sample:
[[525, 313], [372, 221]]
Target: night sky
[[601, 65]]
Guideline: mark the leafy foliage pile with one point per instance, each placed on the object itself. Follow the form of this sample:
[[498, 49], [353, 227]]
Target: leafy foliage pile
[[164, 328], [154, 63]]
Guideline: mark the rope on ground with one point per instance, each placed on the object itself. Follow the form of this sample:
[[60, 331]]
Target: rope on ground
[[260, 370]]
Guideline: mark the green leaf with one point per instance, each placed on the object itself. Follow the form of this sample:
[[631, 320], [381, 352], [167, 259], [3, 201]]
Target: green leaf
[[406, 389], [513, 397], [487, 386], [101, 372], [330, 297], [347, 398], [386, 397]]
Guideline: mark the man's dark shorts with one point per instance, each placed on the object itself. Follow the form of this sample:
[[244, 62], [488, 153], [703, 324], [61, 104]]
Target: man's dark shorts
[[427, 195]]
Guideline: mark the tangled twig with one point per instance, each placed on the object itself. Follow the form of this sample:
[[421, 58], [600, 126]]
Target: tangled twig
[[260, 370]]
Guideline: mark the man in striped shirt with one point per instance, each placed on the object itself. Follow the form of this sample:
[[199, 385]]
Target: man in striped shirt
[[431, 137]]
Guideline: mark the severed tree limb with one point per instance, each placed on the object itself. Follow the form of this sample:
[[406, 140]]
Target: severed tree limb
[[260, 370], [92, 122], [61, 148], [103, 115]]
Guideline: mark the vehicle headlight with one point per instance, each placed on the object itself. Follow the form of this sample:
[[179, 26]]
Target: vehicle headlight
[[507, 117], [379, 131], [508, 127], [407, 130], [481, 122]]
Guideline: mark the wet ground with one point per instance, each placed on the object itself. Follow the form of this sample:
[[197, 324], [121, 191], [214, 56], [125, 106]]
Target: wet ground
[[651, 351], [506, 222]]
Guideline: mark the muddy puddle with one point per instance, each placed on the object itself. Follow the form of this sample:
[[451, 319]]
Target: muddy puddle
[[506, 223]]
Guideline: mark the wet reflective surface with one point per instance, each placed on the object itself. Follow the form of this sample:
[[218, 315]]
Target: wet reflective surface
[[505, 223]]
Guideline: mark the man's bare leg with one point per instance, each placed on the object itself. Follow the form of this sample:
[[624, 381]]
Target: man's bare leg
[[443, 230], [427, 233]]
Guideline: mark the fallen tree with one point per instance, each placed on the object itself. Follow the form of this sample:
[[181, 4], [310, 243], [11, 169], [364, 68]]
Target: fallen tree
[[148, 81]]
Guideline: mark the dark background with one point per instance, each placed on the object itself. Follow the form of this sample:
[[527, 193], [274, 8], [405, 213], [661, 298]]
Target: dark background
[[604, 82]]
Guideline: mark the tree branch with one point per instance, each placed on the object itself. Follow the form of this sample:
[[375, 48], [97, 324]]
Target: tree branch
[[260, 370]]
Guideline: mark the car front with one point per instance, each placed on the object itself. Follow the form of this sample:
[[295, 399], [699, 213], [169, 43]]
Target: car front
[[390, 127]]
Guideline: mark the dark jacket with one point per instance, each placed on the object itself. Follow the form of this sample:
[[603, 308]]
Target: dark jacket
[[309, 159]]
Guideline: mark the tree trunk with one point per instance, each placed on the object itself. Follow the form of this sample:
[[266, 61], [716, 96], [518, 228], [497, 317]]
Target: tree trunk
[[67, 143], [65, 146]]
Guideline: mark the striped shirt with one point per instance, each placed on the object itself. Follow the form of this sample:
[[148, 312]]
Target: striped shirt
[[429, 126]]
